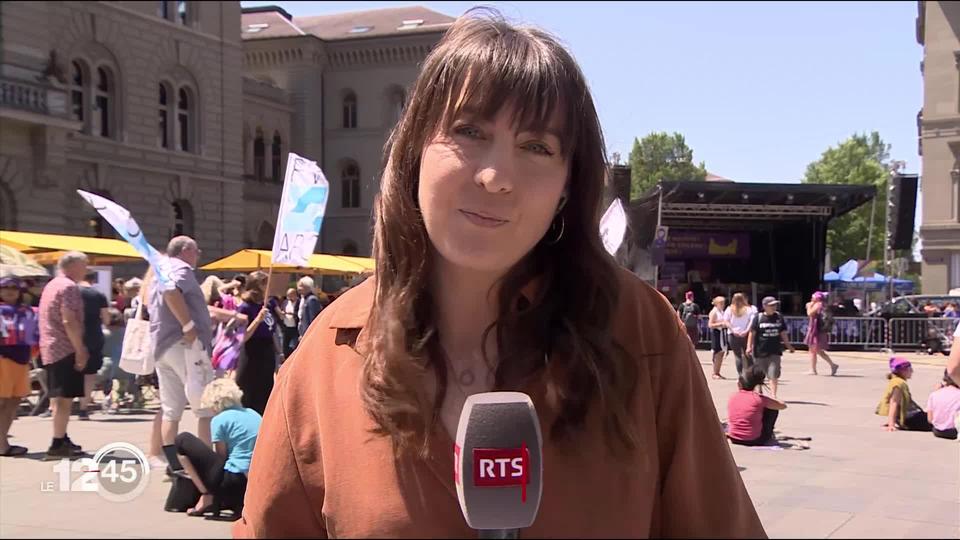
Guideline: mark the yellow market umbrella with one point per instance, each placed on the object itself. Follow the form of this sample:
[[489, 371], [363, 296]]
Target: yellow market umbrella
[[368, 263], [248, 260], [14, 263], [7, 242], [51, 257], [98, 249]]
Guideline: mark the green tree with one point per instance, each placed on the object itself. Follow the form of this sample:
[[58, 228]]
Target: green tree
[[660, 156], [862, 160]]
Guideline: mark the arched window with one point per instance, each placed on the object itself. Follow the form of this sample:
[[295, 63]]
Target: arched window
[[163, 115], [77, 86], [277, 158], [350, 186], [258, 155], [265, 233], [103, 103], [182, 218], [350, 110], [185, 119]]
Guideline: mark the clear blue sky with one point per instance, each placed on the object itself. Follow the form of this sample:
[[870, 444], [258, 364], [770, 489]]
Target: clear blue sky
[[759, 90]]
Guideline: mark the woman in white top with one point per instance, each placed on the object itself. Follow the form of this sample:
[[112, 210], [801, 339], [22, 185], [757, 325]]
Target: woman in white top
[[739, 315], [718, 334]]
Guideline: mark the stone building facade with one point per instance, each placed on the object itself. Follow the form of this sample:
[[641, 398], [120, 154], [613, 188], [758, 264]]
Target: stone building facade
[[137, 101], [938, 123], [183, 112], [347, 76]]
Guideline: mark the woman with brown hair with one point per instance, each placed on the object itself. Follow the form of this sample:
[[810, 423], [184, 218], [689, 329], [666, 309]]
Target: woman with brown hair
[[487, 220]]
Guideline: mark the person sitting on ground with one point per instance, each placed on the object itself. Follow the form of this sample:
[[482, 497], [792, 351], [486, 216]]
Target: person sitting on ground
[[221, 474], [896, 404], [953, 362], [943, 406], [751, 415]]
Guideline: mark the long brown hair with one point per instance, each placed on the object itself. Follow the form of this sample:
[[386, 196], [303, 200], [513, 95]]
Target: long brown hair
[[254, 290], [486, 63]]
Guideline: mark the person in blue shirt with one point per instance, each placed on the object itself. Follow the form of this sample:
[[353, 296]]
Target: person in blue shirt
[[221, 474]]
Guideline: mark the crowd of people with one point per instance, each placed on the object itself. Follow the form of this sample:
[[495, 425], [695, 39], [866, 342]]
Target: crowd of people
[[216, 347], [758, 340], [757, 336]]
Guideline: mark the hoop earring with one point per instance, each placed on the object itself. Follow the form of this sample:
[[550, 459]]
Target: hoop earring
[[562, 227]]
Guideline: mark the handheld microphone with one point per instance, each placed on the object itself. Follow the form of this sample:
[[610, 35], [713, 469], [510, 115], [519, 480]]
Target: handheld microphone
[[498, 466]]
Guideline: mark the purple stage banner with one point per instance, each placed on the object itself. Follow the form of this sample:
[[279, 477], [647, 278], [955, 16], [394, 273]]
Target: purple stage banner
[[694, 244]]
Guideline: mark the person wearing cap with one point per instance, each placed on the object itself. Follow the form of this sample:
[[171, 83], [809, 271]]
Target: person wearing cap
[[19, 332], [897, 405], [689, 312], [767, 339], [818, 338], [943, 406]]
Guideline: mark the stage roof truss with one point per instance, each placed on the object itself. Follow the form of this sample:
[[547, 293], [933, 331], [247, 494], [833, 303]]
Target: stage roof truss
[[781, 212]]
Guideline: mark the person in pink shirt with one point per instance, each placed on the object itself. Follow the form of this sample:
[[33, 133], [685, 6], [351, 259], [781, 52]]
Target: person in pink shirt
[[62, 350], [943, 405], [751, 415]]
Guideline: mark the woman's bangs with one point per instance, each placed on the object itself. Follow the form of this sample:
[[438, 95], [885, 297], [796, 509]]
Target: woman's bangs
[[532, 83]]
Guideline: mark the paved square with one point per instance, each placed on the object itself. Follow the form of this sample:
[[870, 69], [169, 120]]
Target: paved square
[[855, 480]]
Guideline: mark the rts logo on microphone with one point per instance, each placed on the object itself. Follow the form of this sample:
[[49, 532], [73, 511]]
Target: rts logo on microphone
[[499, 467]]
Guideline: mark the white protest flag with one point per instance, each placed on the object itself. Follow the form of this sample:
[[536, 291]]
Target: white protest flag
[[613, 227], [302, 206], [120, 219]]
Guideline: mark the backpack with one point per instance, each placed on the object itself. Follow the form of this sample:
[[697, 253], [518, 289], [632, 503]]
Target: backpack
[[688, 314], [826, 319]]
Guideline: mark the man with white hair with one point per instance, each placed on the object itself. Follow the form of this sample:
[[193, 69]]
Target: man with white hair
[[309, 305], [181, 334], [62, 351]]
